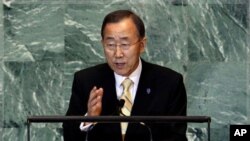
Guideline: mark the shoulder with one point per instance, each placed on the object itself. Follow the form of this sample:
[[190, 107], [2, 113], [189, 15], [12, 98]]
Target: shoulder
[[160, 72], [162, 79]]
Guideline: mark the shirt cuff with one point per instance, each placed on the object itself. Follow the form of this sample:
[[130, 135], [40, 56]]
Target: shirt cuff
[[85, 127]]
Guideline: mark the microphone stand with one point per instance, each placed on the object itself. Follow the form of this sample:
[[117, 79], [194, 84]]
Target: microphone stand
[[149, 129], [87, 132], [121, 104]]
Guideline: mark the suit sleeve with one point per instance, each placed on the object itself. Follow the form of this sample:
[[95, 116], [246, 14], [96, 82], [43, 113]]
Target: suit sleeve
[[71, 130]]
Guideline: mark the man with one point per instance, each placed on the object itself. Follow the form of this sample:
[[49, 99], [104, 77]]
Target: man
[[153, 90]]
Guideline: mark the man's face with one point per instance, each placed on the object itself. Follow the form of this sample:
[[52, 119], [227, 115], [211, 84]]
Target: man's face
[[122, 46]]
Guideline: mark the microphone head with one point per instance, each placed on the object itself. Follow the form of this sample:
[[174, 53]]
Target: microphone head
[[121, 103]]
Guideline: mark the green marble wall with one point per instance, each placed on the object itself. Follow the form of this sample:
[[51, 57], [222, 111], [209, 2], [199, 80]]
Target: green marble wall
[[1, 71], [42, 43]]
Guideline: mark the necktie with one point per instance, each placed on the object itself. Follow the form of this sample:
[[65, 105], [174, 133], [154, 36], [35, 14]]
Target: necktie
[[126, 109]]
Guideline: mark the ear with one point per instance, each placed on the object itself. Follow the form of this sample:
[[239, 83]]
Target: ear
[[143, 44]]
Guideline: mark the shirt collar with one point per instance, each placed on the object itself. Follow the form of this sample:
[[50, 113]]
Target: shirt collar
[[134, 76]]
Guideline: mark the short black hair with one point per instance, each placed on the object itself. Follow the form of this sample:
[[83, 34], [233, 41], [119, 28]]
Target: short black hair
[[117, 16]]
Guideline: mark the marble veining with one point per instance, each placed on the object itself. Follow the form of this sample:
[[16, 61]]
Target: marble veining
[[29, 36], [42, 44]]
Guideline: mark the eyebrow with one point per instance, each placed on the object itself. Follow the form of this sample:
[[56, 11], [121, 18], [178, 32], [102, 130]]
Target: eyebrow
[[124, 38], [112, 38]]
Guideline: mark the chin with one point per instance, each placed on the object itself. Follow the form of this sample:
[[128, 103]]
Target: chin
[[121, 73]]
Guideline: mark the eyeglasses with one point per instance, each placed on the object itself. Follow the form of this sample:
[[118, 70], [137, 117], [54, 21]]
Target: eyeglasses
[[124, 46]]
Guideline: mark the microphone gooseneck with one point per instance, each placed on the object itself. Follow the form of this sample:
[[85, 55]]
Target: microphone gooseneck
[[87, 133], [149, 129], [121, 104]]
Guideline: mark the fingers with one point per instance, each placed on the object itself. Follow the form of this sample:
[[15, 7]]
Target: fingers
[[95, 101]]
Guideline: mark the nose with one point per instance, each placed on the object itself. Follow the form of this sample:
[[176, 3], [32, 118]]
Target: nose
[[118, 52]]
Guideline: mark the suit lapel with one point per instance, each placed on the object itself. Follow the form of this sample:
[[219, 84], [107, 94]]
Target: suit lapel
[[143, 94], [109, 98], [109, 103]]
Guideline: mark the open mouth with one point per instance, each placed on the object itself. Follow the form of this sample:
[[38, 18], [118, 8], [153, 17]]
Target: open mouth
[[119, 65]]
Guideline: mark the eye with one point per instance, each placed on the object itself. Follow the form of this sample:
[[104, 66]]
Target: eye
[[110, 45], [125, 45]]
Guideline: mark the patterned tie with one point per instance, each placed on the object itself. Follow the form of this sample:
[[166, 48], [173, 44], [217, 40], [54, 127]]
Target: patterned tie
[[126, 109]]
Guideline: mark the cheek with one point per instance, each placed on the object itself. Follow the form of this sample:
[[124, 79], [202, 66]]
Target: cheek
[[134, 55], [108, 55]]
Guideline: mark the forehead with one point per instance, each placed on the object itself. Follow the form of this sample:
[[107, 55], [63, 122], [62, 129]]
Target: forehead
[[113, 38], [123, 29]]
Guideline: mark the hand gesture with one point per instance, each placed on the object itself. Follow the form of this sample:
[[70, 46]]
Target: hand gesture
[[95, 102]]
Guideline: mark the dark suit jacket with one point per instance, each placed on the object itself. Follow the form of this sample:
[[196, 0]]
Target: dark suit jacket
[[160, 92]]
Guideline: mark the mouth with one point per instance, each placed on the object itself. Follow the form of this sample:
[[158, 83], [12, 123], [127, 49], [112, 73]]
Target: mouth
[[119, 65]]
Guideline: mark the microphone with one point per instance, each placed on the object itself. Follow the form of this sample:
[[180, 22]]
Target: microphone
[[121, 103]]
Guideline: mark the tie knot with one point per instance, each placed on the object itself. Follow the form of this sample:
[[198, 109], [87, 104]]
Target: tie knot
[[127, 83]]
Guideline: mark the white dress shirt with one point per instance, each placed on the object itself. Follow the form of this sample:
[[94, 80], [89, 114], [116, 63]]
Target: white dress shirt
[[134, 76]]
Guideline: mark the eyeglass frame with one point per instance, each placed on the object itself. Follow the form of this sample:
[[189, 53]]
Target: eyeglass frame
[[125, 47]]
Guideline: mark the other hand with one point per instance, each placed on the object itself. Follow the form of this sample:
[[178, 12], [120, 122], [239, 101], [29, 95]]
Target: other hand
[[95, 102]]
